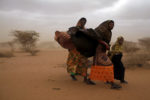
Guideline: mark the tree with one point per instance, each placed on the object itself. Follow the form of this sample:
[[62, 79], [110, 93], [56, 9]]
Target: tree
[[27, 39]]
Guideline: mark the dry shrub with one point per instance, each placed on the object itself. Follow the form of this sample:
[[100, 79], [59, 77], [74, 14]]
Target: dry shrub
[[6, 49], [6, 54], [130, 47], [131, 60], [135, 56], [27, 39]]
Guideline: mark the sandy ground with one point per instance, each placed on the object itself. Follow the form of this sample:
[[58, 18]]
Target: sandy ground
[[44, 77]]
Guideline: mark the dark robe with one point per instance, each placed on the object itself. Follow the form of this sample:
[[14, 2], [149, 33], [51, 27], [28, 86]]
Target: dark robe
[[119, 69]]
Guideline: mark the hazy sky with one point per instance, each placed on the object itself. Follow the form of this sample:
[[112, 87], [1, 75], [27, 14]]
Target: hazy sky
[[132, 17]]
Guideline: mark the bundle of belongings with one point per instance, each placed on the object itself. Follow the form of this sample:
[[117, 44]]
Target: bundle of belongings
[[84, 40]]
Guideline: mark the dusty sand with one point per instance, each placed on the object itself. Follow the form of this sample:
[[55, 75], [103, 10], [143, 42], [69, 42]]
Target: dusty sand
[[44, 77]]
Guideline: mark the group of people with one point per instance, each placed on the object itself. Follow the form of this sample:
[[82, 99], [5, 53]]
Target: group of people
[[106, 65]]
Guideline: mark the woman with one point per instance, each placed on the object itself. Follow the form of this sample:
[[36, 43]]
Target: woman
[[102, 68], [77, 64], [116, 55]]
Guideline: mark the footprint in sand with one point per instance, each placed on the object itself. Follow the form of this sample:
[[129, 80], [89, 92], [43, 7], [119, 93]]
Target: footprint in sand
[[51, 80], [56, 88]]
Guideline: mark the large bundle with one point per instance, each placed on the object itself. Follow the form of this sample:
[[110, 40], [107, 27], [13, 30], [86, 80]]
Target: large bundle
[[64, 40], [84, 41]]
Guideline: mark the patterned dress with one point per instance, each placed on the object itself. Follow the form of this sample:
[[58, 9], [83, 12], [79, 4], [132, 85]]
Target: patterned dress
[[77, 63]]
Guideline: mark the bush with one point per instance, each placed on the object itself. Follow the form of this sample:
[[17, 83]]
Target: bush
[[135, 60], [135, 56], [130, 47], [6, 54], [27, 39]]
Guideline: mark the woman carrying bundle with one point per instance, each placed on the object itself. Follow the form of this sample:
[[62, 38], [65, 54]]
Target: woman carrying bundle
[[77, 63], [102, 68]]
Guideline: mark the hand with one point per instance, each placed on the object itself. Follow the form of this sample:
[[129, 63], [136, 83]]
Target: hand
[[105, 44]]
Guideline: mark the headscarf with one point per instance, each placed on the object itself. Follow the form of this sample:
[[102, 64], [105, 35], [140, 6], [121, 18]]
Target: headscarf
[[104, 31], [117, 47], [79, 24]]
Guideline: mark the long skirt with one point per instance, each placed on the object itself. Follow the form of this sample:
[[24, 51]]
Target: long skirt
[[102, 73], [119, 70], [102, 68], [77, 63]]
